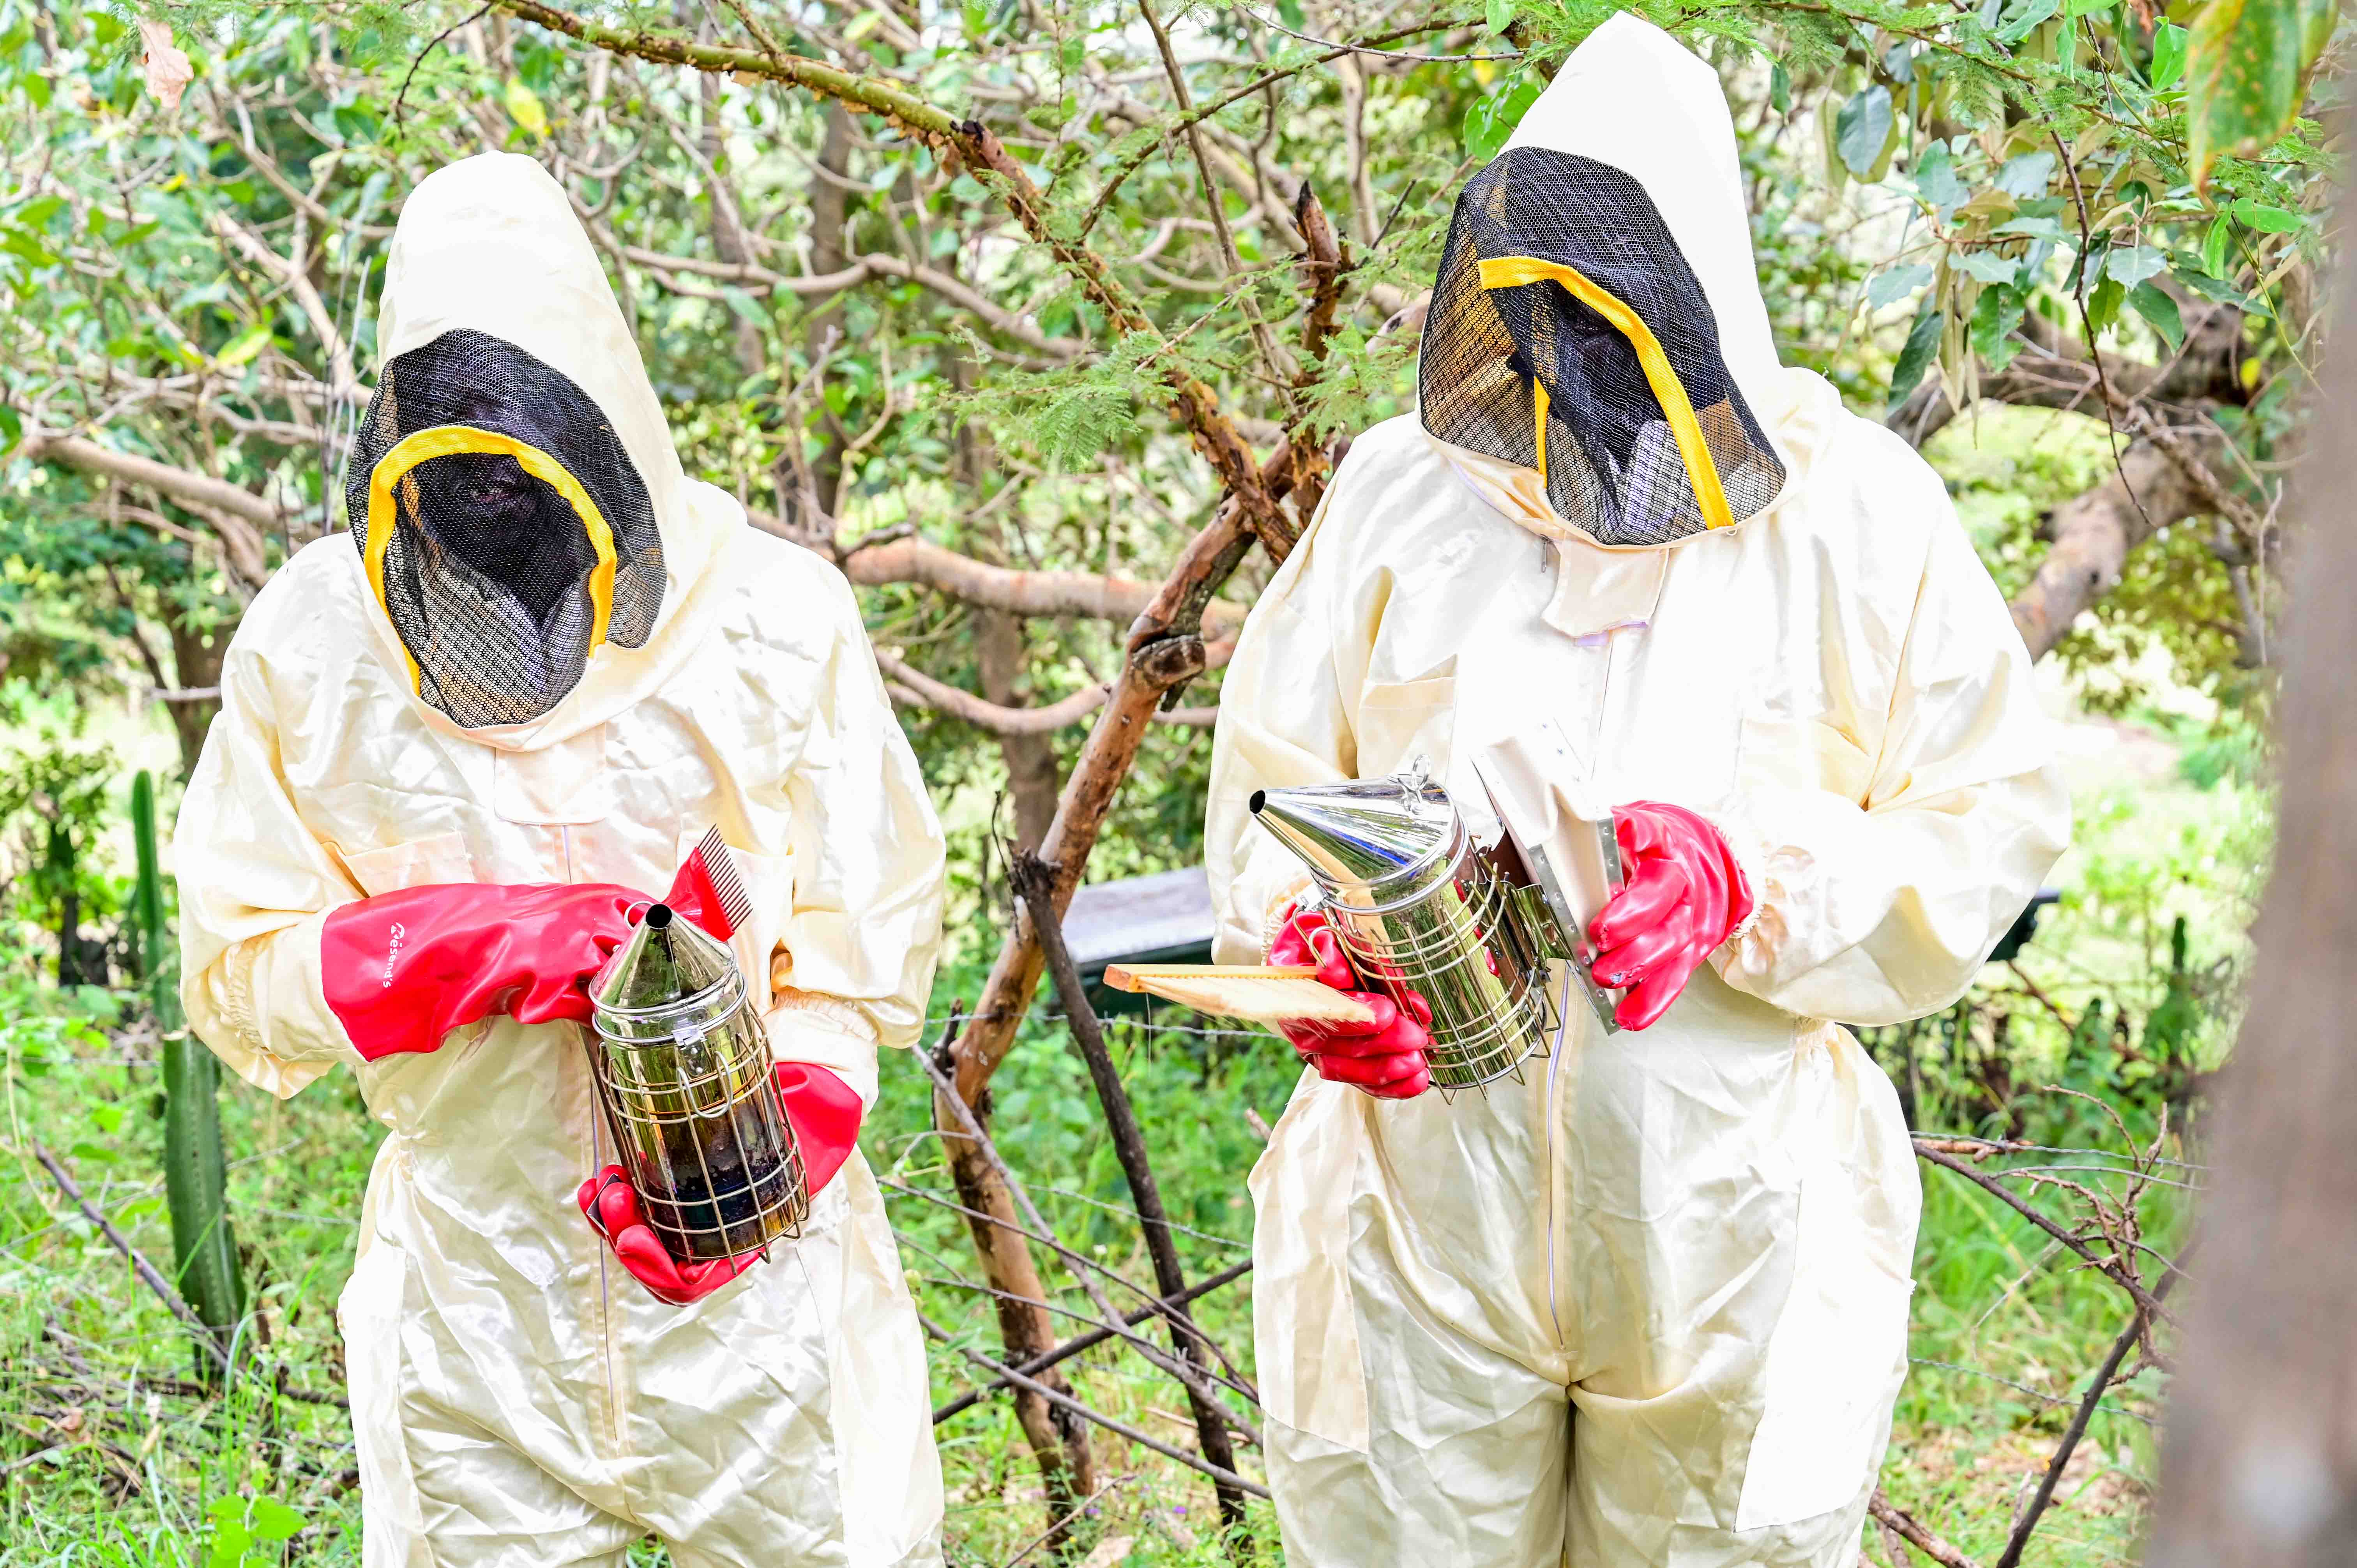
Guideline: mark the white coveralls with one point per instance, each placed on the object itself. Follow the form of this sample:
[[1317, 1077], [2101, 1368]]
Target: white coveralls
[[1650, 1305], [517, 1400]]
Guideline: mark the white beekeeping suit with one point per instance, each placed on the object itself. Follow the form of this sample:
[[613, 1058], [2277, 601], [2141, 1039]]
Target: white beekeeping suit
[[1649, 1306], [544, 662]]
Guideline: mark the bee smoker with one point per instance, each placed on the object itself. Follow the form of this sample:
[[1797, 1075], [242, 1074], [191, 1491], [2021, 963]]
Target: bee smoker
[[683, 1073], [1421, 906]]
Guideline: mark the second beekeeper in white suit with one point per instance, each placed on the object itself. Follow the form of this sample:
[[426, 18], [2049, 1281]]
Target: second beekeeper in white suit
[[1649, 1305]]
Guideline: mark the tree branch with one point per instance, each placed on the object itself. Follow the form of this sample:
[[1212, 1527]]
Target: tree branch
[[972, 144], [962, 577], [237, 514], [1888, 1515], [2094, 532], [912, 688], [298, 283]]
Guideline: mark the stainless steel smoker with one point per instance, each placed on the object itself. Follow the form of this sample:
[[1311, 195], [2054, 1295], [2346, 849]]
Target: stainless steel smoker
[[1421, 906], [683, 1072]]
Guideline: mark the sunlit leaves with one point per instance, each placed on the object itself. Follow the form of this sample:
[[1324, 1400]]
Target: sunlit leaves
[[1864, 132], [2265, 218], [525, 108], [243, 347], [1492, 118], [2245, 66], [1923, 344]]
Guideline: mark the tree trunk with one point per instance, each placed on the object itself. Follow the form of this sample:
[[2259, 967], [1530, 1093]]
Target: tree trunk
[[1002, 651], [1033, 780], [1059, 1438], [830, 210], [2093, 533], [2261, 1462], [196, 664], [728, 224]]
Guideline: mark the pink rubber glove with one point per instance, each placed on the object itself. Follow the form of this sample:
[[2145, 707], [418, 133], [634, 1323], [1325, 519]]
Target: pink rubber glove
[[1685, 895], [401, 970], [826, 1113], [1384, 1058]]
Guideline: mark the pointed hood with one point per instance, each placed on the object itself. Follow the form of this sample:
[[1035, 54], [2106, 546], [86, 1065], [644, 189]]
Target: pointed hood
[[1598, 360], [538, 559]]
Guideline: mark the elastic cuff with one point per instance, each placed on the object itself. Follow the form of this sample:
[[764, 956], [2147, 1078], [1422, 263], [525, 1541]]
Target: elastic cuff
[[262, 1009], [807, 1028], [1749, 848], [1272, 921]]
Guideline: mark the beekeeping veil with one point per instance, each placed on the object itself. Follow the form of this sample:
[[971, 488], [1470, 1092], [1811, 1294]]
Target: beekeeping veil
[[1597, 321], [513, 492]]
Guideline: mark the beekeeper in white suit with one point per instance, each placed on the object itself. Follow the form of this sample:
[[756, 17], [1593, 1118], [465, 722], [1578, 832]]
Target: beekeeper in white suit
[[1650, 1305], [455, 744]]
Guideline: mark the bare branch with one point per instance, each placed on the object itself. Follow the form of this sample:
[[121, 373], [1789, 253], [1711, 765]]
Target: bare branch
[[290, 272], [238, 515], [922, 562], [2094, 532], [1890, 1517], [912, 688]]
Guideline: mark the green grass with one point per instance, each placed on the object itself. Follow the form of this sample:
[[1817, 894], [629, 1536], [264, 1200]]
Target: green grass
[[115, 1455]]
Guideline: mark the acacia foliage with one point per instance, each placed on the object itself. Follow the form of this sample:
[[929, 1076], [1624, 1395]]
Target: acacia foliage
[[854, 334]]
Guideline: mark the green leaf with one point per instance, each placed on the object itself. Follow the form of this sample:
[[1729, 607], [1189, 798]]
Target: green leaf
[[2026, 175], [1922, 342], [1892, 287], [525, 108], [2168, 42], [2034, 226], [37, 213], [230, 1542], [12, 428], [2266, 220], [1936, 181], [2132, 265], [2159, 310], [2103, 302], [1492, 119], [273, 1520], [1287, 10], [1500, 15], [1996, 315], [2023, 17], [2246, 64], [1987, 267], [2214, 246], [1780, 88], [743, 305], [1863, 129], [16, 243], [244, 346]]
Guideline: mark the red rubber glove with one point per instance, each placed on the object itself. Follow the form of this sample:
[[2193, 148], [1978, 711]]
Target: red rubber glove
[[1686, 894], [826, 1113], [401, 970], [1384, 1058]]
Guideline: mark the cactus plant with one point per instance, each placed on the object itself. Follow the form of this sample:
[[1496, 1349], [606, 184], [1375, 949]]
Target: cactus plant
[[195, 1174]]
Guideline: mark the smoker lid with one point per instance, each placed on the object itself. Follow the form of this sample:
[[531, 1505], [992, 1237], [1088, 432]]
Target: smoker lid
[[666, 960], [1374, 835]]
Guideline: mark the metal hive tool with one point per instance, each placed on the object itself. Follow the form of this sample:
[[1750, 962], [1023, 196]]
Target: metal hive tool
[[683, 1070]]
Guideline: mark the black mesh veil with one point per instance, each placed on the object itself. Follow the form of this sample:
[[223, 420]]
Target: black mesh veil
[[1588, 352], [509, 532]]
